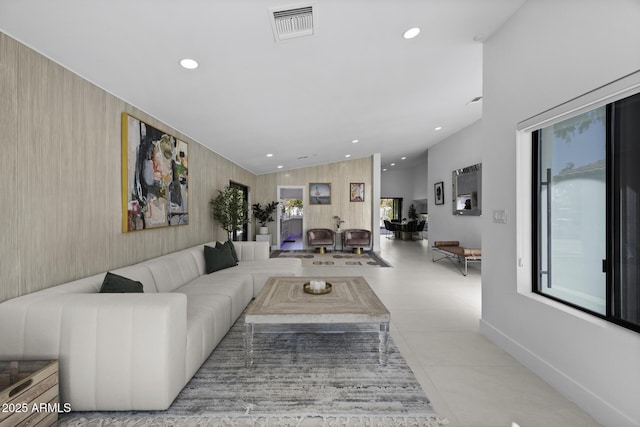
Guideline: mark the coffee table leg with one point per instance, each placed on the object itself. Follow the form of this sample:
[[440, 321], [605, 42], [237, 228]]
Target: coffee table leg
[[248, 344], [384, 343]]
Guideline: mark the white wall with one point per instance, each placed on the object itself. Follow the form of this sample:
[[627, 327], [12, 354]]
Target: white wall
[[60, 171], [421, 178], [548, 53], [409, 183], [461, 149]]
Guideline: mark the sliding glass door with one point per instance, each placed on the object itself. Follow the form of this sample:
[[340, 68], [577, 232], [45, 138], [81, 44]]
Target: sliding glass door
[[391, 208]]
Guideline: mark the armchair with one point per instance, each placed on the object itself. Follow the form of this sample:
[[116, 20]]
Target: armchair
[[357, 238], [320, 238]]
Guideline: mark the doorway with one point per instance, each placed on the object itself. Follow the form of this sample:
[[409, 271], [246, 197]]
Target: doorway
[[290, 221]]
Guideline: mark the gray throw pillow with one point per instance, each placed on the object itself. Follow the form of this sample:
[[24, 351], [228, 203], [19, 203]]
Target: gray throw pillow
[[114, 283], [228, 243], [218, 258]]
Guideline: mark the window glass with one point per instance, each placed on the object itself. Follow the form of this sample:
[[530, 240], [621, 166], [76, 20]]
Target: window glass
[[572, 210]]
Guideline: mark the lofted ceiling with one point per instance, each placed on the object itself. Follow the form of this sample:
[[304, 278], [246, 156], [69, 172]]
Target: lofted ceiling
[[303, 100]]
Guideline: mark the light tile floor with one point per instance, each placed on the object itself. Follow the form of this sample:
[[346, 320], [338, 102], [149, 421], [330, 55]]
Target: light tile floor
[[435, 313]]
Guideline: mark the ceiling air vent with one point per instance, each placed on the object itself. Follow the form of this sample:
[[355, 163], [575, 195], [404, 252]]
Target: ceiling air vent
[[292, 22]]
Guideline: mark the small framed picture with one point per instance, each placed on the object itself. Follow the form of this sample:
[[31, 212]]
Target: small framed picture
[[356, 192], [319, 193], [438, 191]]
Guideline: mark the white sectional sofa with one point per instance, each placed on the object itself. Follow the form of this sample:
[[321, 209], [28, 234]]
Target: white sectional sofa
[[136, 351]]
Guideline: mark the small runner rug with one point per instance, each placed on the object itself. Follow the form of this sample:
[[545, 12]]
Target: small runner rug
[[296, 380], [333, 259]]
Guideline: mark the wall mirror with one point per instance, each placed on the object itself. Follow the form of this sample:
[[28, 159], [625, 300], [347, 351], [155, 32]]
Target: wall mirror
[[467, 190]]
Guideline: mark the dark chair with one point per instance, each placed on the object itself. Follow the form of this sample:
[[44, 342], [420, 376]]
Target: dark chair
[[391, 228], [357, 239], [320, 238], [408, 229], [419, 230]]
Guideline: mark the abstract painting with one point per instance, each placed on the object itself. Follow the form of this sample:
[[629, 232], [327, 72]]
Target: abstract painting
[[356, 192], [155, 177]]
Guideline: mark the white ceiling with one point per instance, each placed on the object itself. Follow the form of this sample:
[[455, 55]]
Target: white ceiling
[[355, 78]]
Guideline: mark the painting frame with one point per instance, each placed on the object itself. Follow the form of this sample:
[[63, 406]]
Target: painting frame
[[155, 177], [356, 192], [319, 193], [438, 193]]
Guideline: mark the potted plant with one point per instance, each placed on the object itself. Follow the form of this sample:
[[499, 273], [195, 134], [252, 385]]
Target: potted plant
[[413, 215], [263, 214], [229, 209]]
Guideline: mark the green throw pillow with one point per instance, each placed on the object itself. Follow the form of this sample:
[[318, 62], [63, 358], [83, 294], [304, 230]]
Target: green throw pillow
[[218, 258], [114, 283], [228, 243]]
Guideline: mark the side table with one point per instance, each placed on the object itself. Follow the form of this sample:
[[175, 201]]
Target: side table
[[29, 393], [338, 246]]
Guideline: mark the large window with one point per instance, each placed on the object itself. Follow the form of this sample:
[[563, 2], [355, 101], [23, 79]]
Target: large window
[[391, 209], [587, 211]]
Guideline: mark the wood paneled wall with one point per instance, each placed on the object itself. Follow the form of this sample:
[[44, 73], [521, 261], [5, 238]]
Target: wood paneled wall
[[60, 179], [340, 175]]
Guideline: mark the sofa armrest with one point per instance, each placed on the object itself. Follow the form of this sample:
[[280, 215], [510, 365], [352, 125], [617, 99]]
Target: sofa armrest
[[116, 351]]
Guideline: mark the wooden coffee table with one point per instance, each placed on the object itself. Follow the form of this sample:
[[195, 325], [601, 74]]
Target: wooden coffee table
[[351, 306]]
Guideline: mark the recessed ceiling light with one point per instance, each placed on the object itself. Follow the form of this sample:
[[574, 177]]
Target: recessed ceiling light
[[411, 33], [355, 141], [384, 170], [392, 164], [269, 155], [347, 155], [189, 64], [438, 128], [280, 166], [403, 158]]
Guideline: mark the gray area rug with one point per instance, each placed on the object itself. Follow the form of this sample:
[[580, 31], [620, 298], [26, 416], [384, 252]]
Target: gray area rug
[[296, 380], [310, 258]]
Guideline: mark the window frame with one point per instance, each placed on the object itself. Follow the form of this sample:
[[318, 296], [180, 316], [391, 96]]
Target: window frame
[[612, 222]]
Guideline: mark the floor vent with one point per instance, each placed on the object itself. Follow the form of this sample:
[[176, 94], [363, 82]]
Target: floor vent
[[289, 23]]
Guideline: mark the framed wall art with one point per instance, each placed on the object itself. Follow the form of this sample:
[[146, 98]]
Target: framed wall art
[[356, 192], [438, 191], [155, 177], [319, 193]]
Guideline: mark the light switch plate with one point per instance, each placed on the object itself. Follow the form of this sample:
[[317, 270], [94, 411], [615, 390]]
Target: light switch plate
[[500, 216]]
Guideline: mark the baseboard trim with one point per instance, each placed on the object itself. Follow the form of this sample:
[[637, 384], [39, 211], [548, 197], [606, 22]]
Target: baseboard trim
[[603, 412]]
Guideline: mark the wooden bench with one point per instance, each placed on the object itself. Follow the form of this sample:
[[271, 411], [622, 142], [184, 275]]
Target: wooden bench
[[452, 250]]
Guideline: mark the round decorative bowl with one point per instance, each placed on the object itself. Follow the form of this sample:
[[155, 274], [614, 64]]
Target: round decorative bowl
[[307, 288]]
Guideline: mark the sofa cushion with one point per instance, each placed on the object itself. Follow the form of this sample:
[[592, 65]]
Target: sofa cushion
[[237, 287], [173, 270], [218, 258], [208, 320], [261, 270], [228, 243], [114, 283], [249, 251]]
